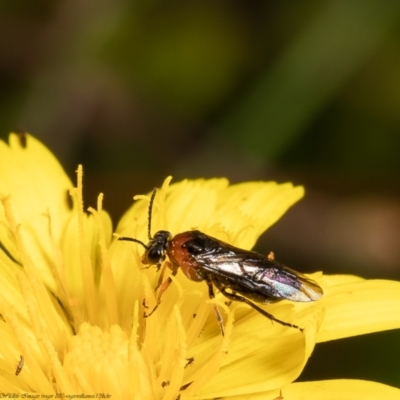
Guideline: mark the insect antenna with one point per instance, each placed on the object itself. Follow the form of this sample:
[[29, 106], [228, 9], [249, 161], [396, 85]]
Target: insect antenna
[[153, 195], [129, 239]]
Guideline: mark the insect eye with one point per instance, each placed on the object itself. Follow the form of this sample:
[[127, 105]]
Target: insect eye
[[155, 255], [195, 246]]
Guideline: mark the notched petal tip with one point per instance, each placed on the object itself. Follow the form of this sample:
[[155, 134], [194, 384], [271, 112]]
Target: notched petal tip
[[356, 307]]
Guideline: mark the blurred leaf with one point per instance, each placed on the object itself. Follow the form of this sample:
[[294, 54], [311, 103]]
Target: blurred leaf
[[307, 75], [187, 58]]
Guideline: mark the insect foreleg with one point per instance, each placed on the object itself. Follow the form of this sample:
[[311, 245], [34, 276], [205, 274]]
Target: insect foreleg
[[236, 297], [211, 295], [161, 276], [163, 286]]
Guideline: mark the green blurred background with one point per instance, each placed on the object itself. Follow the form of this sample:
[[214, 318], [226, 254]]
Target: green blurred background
[[301, 91]]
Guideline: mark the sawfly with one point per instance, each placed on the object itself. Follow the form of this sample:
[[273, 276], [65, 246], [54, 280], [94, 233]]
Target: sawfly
[[240, 275]]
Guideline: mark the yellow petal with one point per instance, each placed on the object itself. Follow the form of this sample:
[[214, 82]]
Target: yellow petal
[[37, 188], [262, 355], [236, 213], [340, 389], [335, 389], [37, 183], [354, 306], [246, 210]]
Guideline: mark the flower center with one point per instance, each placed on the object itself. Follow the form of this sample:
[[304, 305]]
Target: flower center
[[97, 361]]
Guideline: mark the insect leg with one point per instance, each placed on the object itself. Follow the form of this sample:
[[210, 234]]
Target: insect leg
[[236, 297], [211, 295], [164, 286], [161, 276]]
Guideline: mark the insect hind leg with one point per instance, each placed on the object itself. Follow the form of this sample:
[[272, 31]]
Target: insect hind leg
[[211, 295], [236, 297]]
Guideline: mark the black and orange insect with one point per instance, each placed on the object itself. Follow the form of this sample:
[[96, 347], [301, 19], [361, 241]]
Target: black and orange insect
[[240, 275], [20, 366]]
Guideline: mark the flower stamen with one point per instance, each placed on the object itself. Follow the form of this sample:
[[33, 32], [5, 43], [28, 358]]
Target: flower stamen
[[86, 265], [107, 277]]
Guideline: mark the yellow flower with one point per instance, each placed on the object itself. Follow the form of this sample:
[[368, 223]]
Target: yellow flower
[[73, 297]]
